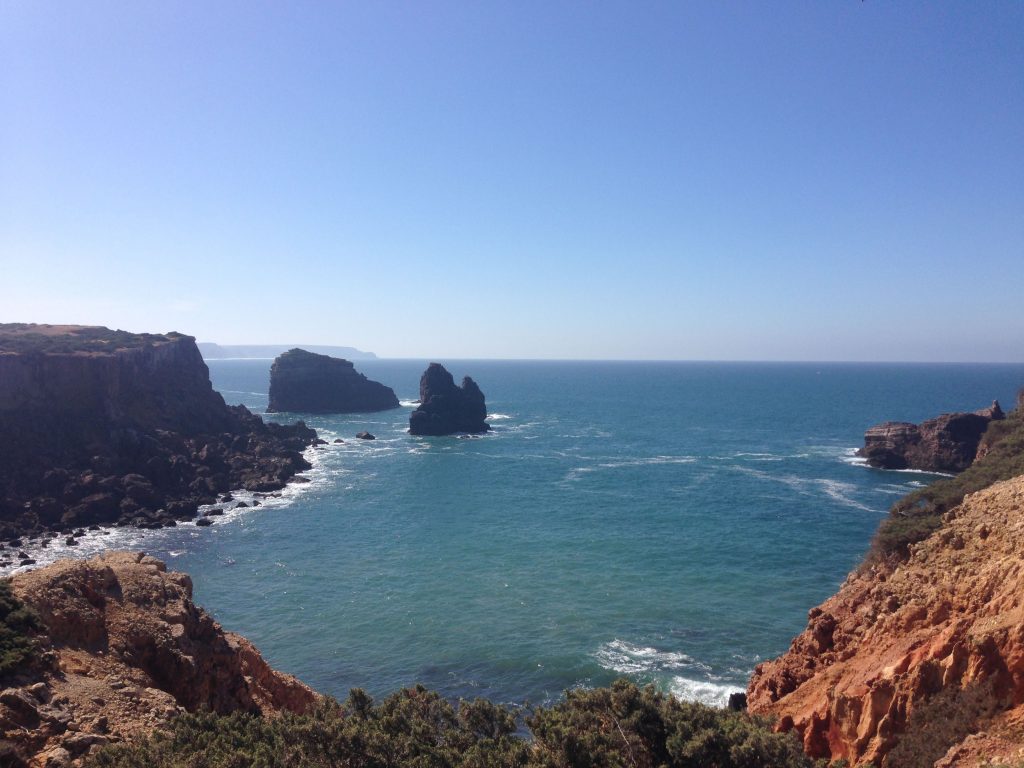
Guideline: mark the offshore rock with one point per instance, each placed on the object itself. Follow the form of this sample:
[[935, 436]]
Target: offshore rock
[[102, 427], [922, 658], [124, 649], [446, 409], [948, 443], [306, 382]]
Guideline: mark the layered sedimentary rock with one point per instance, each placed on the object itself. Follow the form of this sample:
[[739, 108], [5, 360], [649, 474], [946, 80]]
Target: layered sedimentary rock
[[305, 382], [124, 649], [100, 426], [908, 661], [446, 409], [948, 443]]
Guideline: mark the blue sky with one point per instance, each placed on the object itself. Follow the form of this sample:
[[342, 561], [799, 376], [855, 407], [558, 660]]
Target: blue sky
[[727, 180]]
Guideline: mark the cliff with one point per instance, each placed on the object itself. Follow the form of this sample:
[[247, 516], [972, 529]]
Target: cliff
[[446, 409], [124, 650], [920, 660], [99, 426], [305, 382], [947, 443]]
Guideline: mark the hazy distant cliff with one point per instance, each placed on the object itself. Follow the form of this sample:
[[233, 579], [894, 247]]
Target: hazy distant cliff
[[224, 351]]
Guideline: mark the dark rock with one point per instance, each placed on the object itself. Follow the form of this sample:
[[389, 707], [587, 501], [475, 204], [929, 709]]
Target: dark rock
[[204, 521], [70, 541], [338, 441], [446, 409], [948, 443], [101, 427], [310, 383], [738, 701], [365, 436]]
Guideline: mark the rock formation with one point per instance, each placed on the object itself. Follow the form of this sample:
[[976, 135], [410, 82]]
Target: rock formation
[[304, 382], [102, 426], [907, 660], [126, 649], [948, 443], [446, 409]]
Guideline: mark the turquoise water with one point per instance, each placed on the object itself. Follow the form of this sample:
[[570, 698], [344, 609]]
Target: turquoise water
[[668, 521]]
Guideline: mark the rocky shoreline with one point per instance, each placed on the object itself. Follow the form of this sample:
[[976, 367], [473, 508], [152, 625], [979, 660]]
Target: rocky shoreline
[[105, 430]]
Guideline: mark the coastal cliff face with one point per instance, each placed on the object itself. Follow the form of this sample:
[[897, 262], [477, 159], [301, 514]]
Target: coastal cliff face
[[126, 650], [947, 443], [917, 662], [446, 409], [103, 426], [305, 382]]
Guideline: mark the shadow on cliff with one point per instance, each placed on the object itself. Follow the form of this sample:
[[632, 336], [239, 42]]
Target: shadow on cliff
[[944, 720]]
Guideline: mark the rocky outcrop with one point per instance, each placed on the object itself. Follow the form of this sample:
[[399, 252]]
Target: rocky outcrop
[[920, 661], [948, 443], [304, 382], [446, 409], [126, 649], [102, 427]]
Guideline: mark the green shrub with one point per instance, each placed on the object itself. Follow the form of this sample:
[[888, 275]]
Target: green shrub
[[17, 648], [917, 515], [618, 726]]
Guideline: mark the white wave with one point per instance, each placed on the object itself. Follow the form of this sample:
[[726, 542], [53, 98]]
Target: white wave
[[409, 403], [628, 659], [702, 691], [810, 486], [498, 416]]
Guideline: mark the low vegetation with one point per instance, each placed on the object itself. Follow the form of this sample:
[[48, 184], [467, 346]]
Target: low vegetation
[[917, 515], [622, 725], [28, 338], [17, 624]]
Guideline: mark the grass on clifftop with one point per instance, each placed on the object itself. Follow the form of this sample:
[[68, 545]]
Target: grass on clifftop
[[17, 648], [622, 725], [917, 515], [29, 338]]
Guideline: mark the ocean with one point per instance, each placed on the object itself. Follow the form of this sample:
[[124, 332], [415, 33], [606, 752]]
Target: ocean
[[667, 522]]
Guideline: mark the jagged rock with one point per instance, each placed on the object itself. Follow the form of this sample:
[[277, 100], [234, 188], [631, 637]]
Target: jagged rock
[[938, 639], [948, 443], [365, 436], [127, 649], [101, 427], [305, 382], [446, 409]]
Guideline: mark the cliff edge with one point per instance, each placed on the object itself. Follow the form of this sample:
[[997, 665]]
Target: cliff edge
[[123, 650], [102, 426], [918, 661]]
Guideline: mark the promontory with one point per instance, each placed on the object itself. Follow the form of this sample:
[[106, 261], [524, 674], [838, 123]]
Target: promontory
[[101, 427]]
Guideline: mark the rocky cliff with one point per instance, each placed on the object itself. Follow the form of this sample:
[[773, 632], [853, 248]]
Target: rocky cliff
[[947, 443], [917, 661], [304, 382], [100, 426], [124, 649], [446, 409]]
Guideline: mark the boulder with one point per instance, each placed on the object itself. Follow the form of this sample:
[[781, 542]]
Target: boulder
[[947, 443], [306, 382], [446, 409], [365, 436]]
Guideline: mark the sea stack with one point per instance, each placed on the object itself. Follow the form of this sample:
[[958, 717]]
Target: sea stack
[[446, 409], [305, 382], [947, 443]]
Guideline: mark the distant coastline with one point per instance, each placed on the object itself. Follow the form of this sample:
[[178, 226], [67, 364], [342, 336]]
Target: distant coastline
[[211, 351]]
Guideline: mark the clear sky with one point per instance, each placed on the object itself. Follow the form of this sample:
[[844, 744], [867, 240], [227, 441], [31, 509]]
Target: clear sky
[[813, 180]]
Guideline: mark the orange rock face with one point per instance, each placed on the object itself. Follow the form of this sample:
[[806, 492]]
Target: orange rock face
[[129, 650], [924, 658]]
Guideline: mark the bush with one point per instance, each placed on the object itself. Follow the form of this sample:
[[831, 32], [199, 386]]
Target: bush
[[917, 515], [17, 648], [618, 726]]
